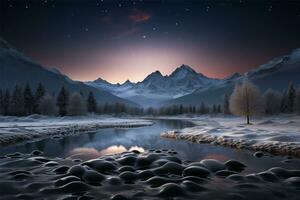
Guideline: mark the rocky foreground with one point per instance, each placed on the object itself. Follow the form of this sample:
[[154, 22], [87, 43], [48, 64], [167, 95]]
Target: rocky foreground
[[156, 174]]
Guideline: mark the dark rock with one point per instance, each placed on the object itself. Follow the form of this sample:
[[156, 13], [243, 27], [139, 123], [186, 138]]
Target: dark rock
[[91, 176], [100, 165], [126, 169], [76, 170], [36, 153], [75, 187], [235, 177], [61, 170], [213, 165], [235, 165], [194, 179], [66, 180], [128, 160], [294, 181], [169, 168], [51, 164], [192, 186], [146, 174], [128, 176], [225, 173], [268, 176], [114, 181], [258, 154], [196, 171], [143, 162], [280, 172], [171, 190], [157, 181], [174, 159]]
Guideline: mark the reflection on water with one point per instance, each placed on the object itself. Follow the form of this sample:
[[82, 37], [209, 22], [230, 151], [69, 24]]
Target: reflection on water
[[109, 141], [90, 153]]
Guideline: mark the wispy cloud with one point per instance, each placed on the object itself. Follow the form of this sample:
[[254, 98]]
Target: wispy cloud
[[139, 16]]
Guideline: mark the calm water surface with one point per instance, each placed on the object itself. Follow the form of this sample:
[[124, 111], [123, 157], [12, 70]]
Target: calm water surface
[[116, 140]]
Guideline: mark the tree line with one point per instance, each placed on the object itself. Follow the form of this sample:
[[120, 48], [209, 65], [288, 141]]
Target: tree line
[[246, 100], [23, 101]]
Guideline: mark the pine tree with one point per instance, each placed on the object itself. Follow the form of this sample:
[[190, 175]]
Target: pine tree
[[283, 104], [39, 93], [1, 101], [226, 109], [6, 103], [291, 95], [28, 100], [91, 103], [77, 105], [17, 102], [219, 109], [298, 102], [62, 101], [214, 109]]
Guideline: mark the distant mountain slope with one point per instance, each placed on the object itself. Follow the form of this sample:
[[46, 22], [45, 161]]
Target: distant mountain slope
[[15, 68], [156, 88], [275, 74]]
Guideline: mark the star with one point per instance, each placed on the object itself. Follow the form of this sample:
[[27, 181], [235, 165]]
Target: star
[[176, 24], [26, 6], [154, 28], [144, 36], [86, 29]]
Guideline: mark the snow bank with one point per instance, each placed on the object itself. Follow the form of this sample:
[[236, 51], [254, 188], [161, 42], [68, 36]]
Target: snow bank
[[17, 129], [276, 135]]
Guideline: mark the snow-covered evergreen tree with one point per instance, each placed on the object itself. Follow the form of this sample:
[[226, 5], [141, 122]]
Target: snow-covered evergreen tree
[[6, 103]]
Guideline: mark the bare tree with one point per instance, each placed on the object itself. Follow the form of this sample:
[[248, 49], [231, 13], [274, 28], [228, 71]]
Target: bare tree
[[77, 105], [47, 105], [246, 100], [272, 101]]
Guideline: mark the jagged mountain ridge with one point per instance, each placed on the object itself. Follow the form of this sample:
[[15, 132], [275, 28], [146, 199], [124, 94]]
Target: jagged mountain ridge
[[185, 86]]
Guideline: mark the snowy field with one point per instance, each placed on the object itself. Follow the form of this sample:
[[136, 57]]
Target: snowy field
[[276, 134], [17, 129]]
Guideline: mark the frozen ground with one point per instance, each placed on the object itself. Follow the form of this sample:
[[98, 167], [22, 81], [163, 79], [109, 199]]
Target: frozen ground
[[17, 129], [276, 134]]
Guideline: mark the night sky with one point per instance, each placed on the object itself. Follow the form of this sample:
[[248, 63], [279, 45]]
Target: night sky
[[119, 40]]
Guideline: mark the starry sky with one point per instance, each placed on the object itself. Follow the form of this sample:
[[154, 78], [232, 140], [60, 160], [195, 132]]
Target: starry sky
[[128, 39]]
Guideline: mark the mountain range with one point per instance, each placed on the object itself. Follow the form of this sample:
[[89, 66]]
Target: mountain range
[[183, 86]]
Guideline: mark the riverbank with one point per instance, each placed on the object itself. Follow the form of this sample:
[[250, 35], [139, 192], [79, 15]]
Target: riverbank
[[19, 129], [278, 135]]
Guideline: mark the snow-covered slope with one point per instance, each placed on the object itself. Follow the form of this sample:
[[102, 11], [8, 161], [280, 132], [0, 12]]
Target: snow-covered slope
[[15, 68], [275, 74], [185, 86], [156, 88]]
